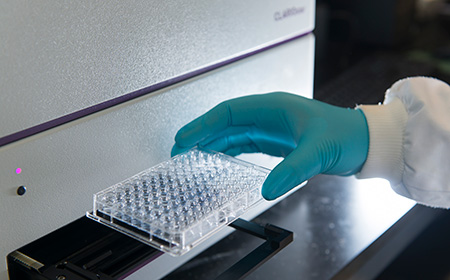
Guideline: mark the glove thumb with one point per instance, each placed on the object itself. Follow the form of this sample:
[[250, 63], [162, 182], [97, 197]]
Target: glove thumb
[[300, 165]]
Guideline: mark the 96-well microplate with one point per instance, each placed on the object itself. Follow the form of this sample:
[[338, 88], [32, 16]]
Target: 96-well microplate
[[178, 203]]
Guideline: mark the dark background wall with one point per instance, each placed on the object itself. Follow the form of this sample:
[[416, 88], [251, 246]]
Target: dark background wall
[[365, 46], [362, 48]]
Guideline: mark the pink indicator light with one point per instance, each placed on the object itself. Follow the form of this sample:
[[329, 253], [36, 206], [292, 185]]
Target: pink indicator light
[[18, 170]]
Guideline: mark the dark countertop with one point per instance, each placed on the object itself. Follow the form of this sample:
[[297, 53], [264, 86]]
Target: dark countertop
[[342, 226]]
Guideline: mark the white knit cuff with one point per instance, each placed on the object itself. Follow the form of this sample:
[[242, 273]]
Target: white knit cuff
[[386, 126]]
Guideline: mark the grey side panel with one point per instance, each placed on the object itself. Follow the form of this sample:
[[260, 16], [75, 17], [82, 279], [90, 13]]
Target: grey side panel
[[63, 167], [61, 57]]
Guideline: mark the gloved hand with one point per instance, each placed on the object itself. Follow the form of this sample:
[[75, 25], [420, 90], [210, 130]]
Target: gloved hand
[[314, 137]]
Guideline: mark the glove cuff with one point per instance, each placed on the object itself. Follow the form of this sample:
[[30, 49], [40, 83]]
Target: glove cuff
[[386, 127]]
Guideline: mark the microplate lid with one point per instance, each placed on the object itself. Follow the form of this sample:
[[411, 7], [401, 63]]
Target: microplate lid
[[178, 203]]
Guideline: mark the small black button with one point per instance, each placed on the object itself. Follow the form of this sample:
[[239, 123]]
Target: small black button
[[21, 190]]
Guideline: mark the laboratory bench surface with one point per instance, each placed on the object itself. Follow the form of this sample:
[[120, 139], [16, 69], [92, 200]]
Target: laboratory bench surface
[[343, 228]]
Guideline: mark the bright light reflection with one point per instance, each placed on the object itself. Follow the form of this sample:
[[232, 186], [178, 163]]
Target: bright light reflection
[[377, 207]]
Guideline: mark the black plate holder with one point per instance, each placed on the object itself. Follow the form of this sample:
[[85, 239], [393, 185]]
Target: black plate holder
[[276, 239], [86, 250]]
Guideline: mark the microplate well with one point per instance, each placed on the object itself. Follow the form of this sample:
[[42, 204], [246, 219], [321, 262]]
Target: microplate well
[[176, 204]]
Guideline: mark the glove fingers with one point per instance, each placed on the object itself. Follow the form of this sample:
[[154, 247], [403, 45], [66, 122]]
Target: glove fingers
[[242, 150], [246, 139], [235, 142], [232, 141], [178, 150], [216, 146], [235, 112], [299, 166]]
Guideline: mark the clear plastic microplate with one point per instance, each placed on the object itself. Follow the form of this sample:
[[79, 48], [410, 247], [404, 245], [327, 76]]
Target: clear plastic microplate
[[176, 204]]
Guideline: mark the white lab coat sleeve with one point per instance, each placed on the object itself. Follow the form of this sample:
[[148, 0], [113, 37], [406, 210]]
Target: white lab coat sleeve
[[410, 140]]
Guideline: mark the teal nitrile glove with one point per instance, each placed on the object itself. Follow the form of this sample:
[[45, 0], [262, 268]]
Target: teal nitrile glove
[[314, 137]]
